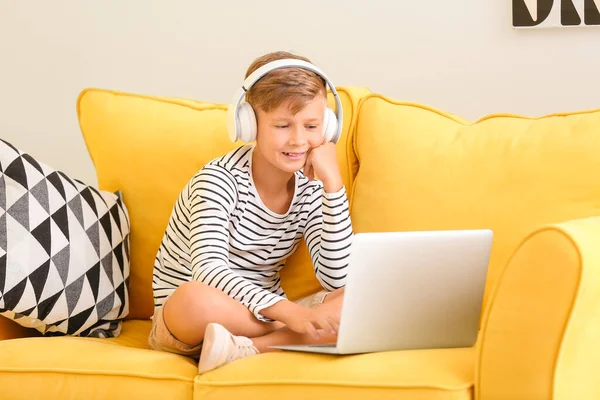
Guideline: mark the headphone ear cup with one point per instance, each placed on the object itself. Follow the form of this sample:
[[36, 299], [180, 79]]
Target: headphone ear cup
[[247, 118], [329, 124], [232, 128]]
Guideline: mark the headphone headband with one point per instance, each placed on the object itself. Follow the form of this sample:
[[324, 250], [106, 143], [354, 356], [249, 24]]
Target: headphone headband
[[279, 64]]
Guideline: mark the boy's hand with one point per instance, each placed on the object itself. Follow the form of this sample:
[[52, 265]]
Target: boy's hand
[[311, 320], [322, 161]]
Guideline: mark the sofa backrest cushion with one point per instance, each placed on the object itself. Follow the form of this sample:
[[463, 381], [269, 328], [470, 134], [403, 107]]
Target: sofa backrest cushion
[[423, 169]]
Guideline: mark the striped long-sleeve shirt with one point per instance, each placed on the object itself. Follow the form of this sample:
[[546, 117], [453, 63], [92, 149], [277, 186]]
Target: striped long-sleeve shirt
[[222, 234]]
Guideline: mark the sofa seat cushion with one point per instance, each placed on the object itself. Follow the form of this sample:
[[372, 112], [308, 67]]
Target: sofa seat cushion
[[438, 374], [88, 368]]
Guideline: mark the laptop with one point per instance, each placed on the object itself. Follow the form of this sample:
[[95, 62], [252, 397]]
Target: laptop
[[411, 290]]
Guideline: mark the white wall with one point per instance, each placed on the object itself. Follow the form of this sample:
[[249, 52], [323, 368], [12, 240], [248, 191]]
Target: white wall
[[462, 56]]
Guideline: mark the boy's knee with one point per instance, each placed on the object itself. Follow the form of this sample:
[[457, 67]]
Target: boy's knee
[[193, 293], [190, 301], [190, 291]]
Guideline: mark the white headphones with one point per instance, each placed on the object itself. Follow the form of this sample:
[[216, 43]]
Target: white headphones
[[241, 119]]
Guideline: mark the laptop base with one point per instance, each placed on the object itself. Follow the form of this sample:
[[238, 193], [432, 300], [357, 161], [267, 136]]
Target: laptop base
[[312, 348]]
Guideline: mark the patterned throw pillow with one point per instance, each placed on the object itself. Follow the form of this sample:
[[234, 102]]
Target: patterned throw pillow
[[64, 250]]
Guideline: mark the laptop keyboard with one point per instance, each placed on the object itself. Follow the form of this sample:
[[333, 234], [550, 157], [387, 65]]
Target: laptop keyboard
[[322, 345]]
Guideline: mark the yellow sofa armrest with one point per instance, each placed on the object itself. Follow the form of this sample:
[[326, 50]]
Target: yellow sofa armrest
[[541, 335]]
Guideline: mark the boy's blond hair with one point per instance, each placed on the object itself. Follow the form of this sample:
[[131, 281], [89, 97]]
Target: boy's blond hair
[[294, 86]]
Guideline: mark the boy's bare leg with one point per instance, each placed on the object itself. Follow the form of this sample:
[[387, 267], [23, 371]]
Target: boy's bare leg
[[285, 336], [194, 305], [222, 346]]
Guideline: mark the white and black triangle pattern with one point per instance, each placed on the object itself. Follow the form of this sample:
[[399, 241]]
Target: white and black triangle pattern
[[64, 250]]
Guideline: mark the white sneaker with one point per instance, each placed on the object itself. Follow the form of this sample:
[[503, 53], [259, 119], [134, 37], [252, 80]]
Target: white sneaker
[[220, 347]]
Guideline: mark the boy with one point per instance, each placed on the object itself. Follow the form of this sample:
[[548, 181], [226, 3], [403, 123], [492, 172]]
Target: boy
[[216, 275]]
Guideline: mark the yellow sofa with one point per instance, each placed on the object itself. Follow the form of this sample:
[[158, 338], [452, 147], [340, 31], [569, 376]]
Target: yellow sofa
[[534, 181]]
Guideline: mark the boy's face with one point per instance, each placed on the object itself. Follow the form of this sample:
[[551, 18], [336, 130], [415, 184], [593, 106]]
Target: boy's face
[[284, 139]]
